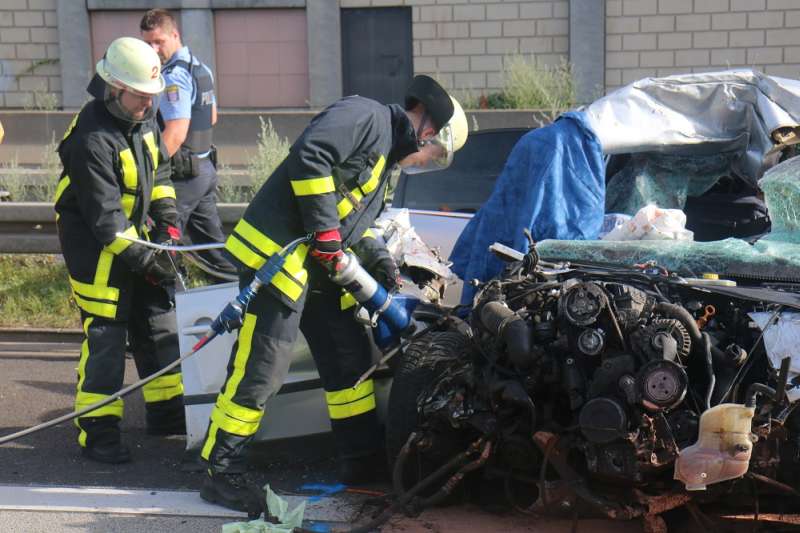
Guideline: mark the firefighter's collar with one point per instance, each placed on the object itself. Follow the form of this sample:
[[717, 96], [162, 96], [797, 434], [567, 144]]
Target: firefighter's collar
[[404, 139]]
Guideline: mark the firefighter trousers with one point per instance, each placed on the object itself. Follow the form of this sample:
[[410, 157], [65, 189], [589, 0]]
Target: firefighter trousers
[[259, 364], [152, 333], [198, 217]]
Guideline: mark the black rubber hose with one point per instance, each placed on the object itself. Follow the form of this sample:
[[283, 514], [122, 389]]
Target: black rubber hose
[[755, 390], [450, 485], [512, 328], [712, 378], [404, 498], [680, 313]]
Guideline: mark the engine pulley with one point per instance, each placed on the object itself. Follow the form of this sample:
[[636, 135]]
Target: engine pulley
[[591, 341], [582, 303], [664, 338], [603, 420], [662, 384]]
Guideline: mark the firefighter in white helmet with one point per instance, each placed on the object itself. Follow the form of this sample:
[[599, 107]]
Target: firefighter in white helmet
[[332, 185], [116, 180]]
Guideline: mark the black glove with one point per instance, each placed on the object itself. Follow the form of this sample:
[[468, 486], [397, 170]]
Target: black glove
[[154, 266], [161, 270], [386, 273]]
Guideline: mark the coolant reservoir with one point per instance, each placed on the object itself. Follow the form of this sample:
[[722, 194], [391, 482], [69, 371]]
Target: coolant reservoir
[[722, 450]]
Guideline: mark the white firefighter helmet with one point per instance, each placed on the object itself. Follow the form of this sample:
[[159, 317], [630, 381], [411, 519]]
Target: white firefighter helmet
[[458, 126], [131, 63]]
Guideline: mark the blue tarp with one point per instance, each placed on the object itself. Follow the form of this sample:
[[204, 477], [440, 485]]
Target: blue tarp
[[553, 183]]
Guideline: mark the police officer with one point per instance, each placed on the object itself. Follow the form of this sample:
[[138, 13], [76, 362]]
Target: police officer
[[332, 185], [115, 178], [189, 110]]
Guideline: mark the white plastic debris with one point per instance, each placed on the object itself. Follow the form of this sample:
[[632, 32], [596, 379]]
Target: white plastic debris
[[652, 223], [278, 508], [781, 340], [612, 221]]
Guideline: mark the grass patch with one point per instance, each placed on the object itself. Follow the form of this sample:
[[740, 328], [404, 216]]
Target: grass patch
[[34, 292]]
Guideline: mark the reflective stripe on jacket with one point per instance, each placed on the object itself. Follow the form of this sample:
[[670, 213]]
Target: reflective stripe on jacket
[[114, 176], [335, 176]]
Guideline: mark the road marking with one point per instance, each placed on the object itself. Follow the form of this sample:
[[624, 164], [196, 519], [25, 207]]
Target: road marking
[[146, 502]]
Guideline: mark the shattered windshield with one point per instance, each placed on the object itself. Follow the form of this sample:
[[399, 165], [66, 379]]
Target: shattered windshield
[[775, 256]]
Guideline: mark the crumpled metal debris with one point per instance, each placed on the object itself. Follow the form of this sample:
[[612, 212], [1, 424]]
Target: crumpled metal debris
[[407, 247]]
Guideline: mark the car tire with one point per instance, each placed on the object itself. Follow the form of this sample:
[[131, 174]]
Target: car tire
[[423, 362]]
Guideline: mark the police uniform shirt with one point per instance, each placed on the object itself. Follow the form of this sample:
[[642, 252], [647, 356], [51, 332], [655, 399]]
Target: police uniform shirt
[[179, 91]]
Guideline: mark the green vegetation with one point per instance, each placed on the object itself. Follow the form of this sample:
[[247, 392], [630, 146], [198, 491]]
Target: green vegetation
[[271, 150], [34, 292], [41, 100], [22, 187], [529, 85]]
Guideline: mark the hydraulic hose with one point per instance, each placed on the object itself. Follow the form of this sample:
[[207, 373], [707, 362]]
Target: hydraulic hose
[[119, 394], [220, 325], [173, 247]]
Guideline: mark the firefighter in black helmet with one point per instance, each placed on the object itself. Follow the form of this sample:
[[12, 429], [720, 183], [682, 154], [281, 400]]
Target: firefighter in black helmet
[[332, 185], [116, 179]]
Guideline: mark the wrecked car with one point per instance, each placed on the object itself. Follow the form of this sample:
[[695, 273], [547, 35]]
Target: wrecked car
[[625, 379], [611, 391]]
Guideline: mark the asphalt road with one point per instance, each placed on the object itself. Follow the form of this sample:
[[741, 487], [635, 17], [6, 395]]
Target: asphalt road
[[46, 485], [37, 384]]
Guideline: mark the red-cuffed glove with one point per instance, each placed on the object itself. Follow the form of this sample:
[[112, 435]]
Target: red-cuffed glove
[[174, 233], [327, 249]]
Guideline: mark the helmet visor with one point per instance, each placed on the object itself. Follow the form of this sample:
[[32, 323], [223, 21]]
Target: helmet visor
[[136, 111], [440, 149]]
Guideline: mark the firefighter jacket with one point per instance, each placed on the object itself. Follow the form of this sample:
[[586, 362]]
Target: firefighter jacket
[[116, 175], [335, 176]]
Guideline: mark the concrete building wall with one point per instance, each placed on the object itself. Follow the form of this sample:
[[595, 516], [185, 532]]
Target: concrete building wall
[[109, 25], [262, 58], [29, 53], [663, 37], [464, 44]]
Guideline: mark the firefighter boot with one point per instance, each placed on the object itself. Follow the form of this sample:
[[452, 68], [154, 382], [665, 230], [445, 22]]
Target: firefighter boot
[[102, 440], [166, 417], [363, 469], [233, 491]]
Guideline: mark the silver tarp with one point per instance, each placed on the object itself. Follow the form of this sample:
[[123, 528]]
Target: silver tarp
[[739, 110]]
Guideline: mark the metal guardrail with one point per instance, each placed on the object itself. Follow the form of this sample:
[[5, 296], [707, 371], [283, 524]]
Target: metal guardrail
[[30, 228]]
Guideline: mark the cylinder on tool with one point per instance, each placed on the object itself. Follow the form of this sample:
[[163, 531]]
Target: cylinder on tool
[[394, 313]]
